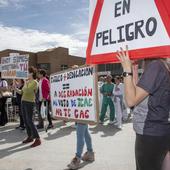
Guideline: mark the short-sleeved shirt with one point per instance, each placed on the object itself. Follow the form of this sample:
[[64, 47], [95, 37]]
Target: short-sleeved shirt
[[118, 89], [107, 88], [29, 91], [151, 116]]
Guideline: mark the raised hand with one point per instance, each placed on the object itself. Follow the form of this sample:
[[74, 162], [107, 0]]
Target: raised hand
[[124, 59]]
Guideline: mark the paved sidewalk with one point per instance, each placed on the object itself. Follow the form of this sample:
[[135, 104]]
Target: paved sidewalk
[[114, 149]]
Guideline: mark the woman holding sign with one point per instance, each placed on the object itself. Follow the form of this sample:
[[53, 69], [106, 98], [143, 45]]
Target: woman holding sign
[[27, 105], [151, 98]]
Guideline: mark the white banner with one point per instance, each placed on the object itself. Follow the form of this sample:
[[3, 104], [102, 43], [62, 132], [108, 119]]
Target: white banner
[[143, 25], [74, 94]]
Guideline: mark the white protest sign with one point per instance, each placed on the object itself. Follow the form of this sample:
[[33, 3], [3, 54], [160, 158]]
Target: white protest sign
[[15, 67], [74, 95], [143, 25]]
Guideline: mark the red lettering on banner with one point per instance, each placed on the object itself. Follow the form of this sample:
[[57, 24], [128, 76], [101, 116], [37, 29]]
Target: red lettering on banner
[[67, 112], [87, 114], [58, 112], [76, 113], [81, 114]]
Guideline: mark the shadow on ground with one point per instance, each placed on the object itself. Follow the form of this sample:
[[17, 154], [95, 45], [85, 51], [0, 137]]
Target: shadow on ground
[[11, 150], [7, 127], [108, 130], [63, 131], [10, 135]]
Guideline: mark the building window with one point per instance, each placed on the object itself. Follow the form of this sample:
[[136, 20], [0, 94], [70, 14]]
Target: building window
[[109, 67], [45, 66], [102, 67], [64, 67]]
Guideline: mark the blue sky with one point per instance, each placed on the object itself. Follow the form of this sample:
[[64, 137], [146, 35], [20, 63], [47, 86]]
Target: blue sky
[[39, 24]]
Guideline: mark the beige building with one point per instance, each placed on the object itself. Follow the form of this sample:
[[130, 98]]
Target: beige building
[[52, 60]]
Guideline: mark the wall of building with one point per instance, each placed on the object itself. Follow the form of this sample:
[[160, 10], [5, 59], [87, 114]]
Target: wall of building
[[52, 60], [32, 56], [57, 59]]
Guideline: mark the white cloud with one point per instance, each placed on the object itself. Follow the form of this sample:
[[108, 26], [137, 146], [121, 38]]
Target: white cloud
[[34, 40], [3, 3], [17, 4], [80, 31]]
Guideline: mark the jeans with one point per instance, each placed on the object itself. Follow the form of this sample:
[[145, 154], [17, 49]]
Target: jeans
[[21, 116], [83, 136], [150, 151], [27, 111]]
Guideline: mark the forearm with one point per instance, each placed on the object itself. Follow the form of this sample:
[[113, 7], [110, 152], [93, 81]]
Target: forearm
[[18, 91], [130, 91], [133, 94]]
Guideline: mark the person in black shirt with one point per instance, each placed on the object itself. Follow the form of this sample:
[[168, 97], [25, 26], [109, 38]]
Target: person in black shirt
[[3, 113], [20, 84]]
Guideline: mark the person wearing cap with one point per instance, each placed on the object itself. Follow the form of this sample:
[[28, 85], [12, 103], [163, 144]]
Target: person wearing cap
[[107, 91]]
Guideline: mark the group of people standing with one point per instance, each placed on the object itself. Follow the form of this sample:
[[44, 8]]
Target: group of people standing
[[150, 99], [30, 93], [112, 95]]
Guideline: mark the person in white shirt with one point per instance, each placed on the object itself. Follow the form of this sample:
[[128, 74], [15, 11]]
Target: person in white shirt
[[126, 109], [3, 113], [100, 95], [118, 101]]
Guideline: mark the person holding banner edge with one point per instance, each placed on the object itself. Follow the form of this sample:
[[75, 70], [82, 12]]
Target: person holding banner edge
[[151, 98], [83, 136]]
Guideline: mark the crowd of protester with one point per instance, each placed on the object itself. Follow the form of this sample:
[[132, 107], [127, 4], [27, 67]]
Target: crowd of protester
[[149, 100], [28, 95], [112, 100]]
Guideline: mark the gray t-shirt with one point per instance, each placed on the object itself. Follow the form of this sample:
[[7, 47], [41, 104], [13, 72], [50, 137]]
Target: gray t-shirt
[[152, 114]]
